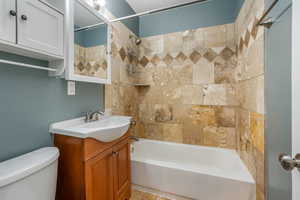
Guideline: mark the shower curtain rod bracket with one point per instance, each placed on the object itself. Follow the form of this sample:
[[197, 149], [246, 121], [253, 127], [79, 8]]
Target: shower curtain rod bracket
[[267, 25], [262, 20]]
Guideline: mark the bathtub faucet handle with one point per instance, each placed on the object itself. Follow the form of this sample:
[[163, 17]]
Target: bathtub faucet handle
[[132, 122]]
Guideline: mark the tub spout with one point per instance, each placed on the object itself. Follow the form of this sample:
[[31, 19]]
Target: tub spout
[[134, 138]]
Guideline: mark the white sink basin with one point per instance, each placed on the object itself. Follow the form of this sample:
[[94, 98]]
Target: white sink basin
[[107, 129]]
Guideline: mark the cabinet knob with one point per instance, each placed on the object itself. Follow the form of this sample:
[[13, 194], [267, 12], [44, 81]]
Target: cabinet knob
[[13, 13], [115, 153], [24, 17]]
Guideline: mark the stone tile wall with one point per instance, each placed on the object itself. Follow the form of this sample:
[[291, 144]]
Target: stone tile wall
[[191, 98], [250, 91], [121, 97]]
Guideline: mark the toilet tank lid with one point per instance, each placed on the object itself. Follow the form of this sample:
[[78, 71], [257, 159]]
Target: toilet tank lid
[[27, 164]]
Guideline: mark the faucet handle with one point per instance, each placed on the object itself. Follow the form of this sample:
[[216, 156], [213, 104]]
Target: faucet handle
[[87, 116]]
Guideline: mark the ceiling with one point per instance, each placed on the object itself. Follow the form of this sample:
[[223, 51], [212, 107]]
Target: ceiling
[[145, 5]]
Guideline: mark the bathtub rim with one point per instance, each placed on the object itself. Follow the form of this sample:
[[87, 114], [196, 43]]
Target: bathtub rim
[[246, 178]]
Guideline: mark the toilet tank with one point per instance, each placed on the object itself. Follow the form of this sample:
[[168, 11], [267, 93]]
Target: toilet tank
[[31, 176]]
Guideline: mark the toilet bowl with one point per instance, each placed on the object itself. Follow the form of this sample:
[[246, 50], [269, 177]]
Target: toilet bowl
[[31, 176]]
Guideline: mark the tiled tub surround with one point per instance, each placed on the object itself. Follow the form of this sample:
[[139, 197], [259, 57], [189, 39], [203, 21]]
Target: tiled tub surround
[[250, 92], [192, 77], [205, 87], [203, 169], [91, 61]]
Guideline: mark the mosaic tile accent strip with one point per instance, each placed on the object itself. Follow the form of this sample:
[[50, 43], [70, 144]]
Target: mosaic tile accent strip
[[182, 57]]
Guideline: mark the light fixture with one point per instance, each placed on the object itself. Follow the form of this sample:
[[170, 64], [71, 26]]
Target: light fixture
[[98, 4]]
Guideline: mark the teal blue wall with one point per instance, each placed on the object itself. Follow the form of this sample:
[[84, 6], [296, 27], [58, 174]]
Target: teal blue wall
[[211, 13], [30, 100], [278, 51], [92, 37], [120, 8]]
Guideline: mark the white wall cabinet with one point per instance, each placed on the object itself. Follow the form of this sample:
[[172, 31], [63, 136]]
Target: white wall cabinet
[[8, 15], [40, 27], [36, 30]]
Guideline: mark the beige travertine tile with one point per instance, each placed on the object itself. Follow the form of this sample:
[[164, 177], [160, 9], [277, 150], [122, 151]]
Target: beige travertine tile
[[257, 131], [199, 38], [192, 132], [225, 71], [243, 128], [219, 137], [173, 42], [163, 113], [230, 35], [151, 46], [225, 116], [253, 59], [249, 158], [203, 72], [215, 36], [146, 112], [139, 195], [173, 132], [260, 171], [219, 94], [202, 115], [152, 131], [191, 94], [251, 94]]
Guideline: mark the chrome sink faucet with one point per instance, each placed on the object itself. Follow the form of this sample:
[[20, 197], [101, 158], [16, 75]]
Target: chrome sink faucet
[[90, 116]]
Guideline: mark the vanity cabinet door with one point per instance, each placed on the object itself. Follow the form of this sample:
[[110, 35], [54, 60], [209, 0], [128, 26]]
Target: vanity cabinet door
[[99, 177], [8, 20], [122, 176], [40, 27]]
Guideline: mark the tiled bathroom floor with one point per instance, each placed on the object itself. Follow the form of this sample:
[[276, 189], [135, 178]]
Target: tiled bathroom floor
[[138, 195]]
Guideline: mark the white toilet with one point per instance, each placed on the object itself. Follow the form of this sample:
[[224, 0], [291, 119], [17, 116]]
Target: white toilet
[[31, 176]]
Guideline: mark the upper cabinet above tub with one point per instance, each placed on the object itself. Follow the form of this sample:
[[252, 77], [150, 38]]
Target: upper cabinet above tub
[[32, 28]]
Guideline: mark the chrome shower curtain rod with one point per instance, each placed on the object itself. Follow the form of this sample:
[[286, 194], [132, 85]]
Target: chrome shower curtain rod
[[144, 13], [261, 21], [159, 10]]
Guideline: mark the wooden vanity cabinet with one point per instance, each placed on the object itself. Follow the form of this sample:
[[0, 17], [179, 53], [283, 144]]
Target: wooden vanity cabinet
[[92, 170], [121, 170]]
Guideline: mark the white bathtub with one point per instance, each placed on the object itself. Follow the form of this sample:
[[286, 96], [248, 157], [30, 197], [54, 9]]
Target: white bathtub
[[197, 172]]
